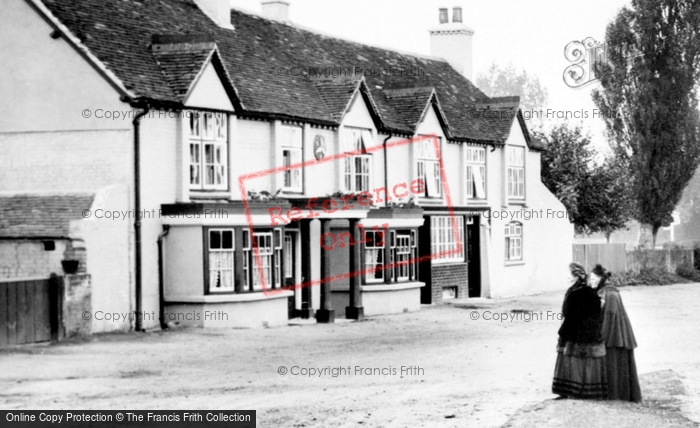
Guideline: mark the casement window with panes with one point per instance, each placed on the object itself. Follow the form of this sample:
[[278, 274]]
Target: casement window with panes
[[357, 167], [428, 167], [516, 172], [447, 239], [476, 172], [374, 256], [265, 266], [402, 249], [514, 241], [403, 253], [208, 141], [292, 155]]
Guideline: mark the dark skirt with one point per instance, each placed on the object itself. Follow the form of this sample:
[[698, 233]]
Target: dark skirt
[[580, 377], [623, 383]]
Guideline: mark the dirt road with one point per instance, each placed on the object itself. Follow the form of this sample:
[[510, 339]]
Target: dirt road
[[462, 366]]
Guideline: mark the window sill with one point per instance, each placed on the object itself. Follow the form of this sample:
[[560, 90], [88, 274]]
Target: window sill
[[380, 286], [517, 202], [231, 298], [514, 263], [212, 194], [448, 263]]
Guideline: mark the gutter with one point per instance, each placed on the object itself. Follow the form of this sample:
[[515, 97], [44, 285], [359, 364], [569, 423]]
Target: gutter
[[161, 287], [386, 169], [137, 221]]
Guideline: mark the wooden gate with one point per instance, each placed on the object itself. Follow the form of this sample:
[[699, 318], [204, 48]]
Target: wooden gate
[[29, 310]]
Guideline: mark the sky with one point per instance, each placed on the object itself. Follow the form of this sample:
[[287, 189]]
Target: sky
[[529, 34]]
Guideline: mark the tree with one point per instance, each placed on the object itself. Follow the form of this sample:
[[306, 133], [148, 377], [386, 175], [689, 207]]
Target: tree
[[649, 93], [596, 197], [500, 82], [606, 203]]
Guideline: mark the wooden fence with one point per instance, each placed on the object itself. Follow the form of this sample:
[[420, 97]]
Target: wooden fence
[[30, 310], [615, 258]]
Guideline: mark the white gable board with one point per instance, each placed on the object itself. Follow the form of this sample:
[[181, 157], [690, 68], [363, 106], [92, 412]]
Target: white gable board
[[209, 92], [358, 114], [430, 124], [516, 137]]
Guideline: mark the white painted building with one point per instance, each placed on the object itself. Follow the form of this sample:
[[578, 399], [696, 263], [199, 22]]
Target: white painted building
[[220, 116]]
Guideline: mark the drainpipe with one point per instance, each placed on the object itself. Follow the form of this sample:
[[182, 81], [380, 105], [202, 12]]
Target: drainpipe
[[386, 171], [137, 210], [161, 297]]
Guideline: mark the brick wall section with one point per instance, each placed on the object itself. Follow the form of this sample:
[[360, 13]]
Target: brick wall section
[[452, 275], [77, 292], [73, 252]]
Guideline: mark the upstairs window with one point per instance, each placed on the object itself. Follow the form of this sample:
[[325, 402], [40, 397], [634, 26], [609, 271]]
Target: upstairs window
[[357, 168], [208, 140], [476, 172], [292, 143], [428, 167], [516, 172]]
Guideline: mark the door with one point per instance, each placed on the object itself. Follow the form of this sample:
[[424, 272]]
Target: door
[[473, 257], [290, 269]]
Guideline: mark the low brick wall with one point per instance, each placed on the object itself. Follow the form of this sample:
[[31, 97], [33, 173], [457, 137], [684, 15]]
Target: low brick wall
[[449, 275]]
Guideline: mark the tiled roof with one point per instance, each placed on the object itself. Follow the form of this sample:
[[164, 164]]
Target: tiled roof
[[265, 60], [410, 103], [41, 215], [336, 93]]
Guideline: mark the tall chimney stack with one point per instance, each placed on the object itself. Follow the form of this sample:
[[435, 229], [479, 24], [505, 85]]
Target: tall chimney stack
[[218, 10], [276, 9], [452, 41]]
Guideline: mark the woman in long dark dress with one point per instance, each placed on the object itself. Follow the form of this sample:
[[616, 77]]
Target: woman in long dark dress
[[580, 368], [618, 337]]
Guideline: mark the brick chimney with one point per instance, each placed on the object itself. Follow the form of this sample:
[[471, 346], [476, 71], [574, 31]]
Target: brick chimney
[[218, 10], [452, 41], [276, 9]]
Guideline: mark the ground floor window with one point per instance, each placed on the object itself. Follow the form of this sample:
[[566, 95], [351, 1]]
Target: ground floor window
[[221, 260], [514, 241], [447, 239], [390, 255], [403, 255], [255, 268], [374, 255]]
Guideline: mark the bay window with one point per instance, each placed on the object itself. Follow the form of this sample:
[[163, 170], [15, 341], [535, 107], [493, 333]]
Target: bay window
[[267, 266], [357, 166], [447, 239], [390, 256], [516, 172], [476, 172], [208, 140]]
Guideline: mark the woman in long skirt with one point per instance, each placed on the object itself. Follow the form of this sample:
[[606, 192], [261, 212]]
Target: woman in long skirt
[[618, 337], [580, 368]]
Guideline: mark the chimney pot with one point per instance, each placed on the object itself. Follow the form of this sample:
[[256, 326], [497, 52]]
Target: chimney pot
[[443, 16], [277, 10], [456, 14], [218, 10]]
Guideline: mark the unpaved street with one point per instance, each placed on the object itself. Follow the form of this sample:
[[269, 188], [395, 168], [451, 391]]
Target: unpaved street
[[464, 371]]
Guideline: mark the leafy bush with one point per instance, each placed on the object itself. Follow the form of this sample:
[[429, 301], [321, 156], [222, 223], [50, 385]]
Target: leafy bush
[[689, 272], [647, 277]]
